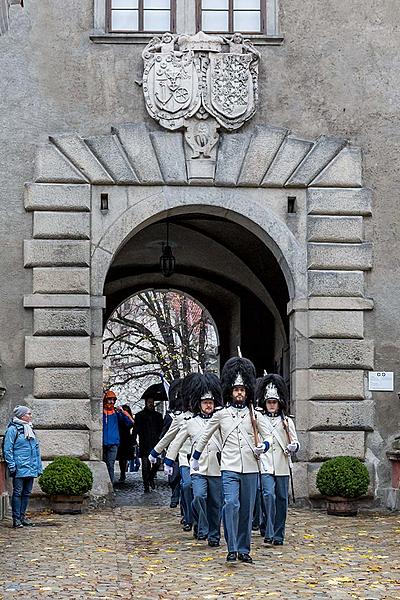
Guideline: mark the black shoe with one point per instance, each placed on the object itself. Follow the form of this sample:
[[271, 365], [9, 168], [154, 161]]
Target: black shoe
[[27, 522], [213, 543], [187, 527], [255, 527], [17, 524], [268, 541], [231, 557], [146, 490], [201, 538], [152, 484], [278, 543], [173, 505], [246, 558], [122, 480]]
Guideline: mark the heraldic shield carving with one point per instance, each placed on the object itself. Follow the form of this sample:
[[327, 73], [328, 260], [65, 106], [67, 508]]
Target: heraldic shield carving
[[184, 74], [200, 83]]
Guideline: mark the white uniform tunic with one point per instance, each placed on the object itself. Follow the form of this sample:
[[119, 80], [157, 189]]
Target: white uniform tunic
[[177, 421], [234, 425], [276, 461], [192, 430]]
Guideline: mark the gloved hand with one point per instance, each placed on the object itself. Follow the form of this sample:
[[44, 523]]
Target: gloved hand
[[292, 447], [168, 470], [194, 463], [152, 457], [258, 450]]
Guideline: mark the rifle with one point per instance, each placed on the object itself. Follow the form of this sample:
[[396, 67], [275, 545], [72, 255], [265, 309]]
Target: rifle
[[286, 428]]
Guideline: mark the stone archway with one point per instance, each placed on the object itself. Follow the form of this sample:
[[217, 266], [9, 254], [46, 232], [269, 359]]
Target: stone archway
[[303, 199]]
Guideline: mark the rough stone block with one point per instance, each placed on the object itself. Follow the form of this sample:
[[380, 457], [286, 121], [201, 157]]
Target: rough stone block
[[75, 149], [53, 167], [49, 196], [61, 383], [137, 145], [286, 161], [321, 154], [108, 150], [340, 303], [341, 415], [342, 354], [345, 170], [61, 322], [334, 229], [328, 444], [66, 280], [61, 225], [300, 482], [335, 324], [336, 201], [231, 153], [57, 351], [53, 253], [169, 150], [341, 384], [336, 283], [263, 146], [60, 413], [55, 443], [312, 470], [355, 257]]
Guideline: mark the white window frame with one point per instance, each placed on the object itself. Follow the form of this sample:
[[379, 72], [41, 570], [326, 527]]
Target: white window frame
[[185, 23]]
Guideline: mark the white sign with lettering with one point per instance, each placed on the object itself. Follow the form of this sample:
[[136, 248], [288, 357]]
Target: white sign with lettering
[[381, 381]]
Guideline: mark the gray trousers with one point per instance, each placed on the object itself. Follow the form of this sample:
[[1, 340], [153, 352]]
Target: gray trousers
[[239, 490]]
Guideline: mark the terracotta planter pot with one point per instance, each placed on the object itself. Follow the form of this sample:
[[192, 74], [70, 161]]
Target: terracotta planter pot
[[341, 507], [66, 505]]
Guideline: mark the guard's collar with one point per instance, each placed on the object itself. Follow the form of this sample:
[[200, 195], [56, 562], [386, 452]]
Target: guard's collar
[[203, 416], [238, 404], [273, 414]]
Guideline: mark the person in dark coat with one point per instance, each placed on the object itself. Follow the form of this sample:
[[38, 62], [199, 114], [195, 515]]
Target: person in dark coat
[[148, 427], [126, 448]]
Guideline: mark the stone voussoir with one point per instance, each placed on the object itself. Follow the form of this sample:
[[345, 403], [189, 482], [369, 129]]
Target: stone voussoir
[[57, 351], [342, 354], [336, 201]]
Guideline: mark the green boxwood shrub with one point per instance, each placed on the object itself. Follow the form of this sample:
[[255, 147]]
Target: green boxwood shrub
[[343, 476], [66, 476]]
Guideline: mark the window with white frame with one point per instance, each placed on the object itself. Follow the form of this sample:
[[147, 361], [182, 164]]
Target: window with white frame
[[135, 21], [219, 16], [140, 16]]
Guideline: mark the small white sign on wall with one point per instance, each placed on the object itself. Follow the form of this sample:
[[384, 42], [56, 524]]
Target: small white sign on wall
[[381, 381]]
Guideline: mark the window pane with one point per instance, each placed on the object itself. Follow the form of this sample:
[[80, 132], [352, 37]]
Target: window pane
[[124, 3], [157, 20], [124, 20], [221, 4], [249, 4], [157, 4], [215, 20], [246, 21]]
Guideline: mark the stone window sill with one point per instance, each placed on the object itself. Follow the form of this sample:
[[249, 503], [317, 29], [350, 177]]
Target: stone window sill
[[144, 38]]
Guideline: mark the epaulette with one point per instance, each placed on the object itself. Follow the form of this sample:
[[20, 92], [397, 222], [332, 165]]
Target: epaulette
[[259, 409], [176, 412], [219, 408]]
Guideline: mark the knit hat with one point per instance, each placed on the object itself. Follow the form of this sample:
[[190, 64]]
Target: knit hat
[[20, 411], [109, 394]]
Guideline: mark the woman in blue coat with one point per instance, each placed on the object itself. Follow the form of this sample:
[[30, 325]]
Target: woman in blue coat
[[22, 455]]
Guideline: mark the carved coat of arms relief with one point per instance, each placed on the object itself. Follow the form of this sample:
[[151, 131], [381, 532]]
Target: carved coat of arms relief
[[200, 83]]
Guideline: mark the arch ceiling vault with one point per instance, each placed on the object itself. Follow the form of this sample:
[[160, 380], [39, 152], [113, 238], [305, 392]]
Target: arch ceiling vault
[[319, 246]]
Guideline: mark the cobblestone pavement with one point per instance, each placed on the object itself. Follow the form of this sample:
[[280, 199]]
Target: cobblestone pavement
[[141, 552]]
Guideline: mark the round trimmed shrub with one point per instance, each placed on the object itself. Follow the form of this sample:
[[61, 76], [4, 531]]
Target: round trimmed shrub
[[66, 476], [343, 476]]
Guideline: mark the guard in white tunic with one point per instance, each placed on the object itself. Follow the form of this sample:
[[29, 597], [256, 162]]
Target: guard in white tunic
[[162, 445], [205, 395], [236, 424], [273, 401]]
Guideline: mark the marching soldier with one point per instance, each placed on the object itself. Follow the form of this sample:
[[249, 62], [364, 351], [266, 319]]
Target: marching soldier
[[186, 483], [205, 394], [272, 396], [239, 457]]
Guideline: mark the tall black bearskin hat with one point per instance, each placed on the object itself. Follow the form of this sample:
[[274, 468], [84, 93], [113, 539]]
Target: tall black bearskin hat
[[273, 386], [201, 387], [238, 371], [174, 394], [184, 403]]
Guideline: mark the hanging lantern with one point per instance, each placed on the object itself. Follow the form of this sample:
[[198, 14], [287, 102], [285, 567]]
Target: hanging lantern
[[167, 259]]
